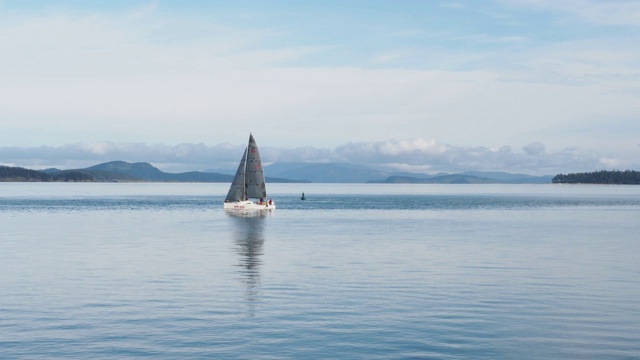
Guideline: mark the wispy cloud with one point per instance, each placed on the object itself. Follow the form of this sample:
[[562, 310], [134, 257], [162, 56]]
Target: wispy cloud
[[451, 5], [488, 39], [611, 12]]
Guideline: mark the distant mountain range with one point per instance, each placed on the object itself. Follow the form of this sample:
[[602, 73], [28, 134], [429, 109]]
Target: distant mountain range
[[469, 177], [121, 171], [325, 172], [117, 171], [349, 173]]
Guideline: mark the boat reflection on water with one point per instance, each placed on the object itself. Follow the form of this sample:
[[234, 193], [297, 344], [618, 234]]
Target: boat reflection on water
[[248, 236]]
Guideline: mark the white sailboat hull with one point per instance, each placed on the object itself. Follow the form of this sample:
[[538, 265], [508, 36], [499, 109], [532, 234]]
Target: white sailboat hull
[[249, 205]]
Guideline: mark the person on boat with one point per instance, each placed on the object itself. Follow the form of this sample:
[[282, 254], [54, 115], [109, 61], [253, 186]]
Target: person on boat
[[270, 202], [261, 201]]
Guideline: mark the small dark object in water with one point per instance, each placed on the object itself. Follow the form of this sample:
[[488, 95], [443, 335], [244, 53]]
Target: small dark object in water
[[303, 197]]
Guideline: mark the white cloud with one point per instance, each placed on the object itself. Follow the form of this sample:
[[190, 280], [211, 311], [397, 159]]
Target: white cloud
[[535, 148], [98, 148], [609, 163], [418, 155], [415, 146]]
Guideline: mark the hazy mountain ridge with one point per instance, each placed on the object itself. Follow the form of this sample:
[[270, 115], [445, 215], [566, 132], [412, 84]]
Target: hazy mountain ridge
[[442, 179], [116, 171], [122, 171], [350, 173], [147, 172], [326, 172], [470, 177], [139, 170]]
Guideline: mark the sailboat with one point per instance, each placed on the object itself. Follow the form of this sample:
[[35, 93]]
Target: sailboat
[[249, 183]]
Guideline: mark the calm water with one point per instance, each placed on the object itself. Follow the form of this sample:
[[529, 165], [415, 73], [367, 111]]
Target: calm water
[[92, 271]]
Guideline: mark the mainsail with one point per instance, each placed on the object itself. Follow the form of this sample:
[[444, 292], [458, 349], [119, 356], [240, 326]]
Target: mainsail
[[249, 180], [254, 178]]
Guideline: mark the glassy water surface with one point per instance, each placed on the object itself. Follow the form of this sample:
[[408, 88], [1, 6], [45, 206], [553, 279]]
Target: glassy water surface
[[355, 271]]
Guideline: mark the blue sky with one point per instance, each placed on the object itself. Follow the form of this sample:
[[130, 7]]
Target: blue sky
[[536, 86]]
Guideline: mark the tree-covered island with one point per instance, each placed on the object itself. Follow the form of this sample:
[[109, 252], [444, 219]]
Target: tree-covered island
[[614, 177]]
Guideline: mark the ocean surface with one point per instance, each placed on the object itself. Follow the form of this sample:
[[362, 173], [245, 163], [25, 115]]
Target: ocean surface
[[378, 271]]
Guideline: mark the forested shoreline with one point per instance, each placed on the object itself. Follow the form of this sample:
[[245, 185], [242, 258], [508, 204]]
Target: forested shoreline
[[613, 177], [11, 174]]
